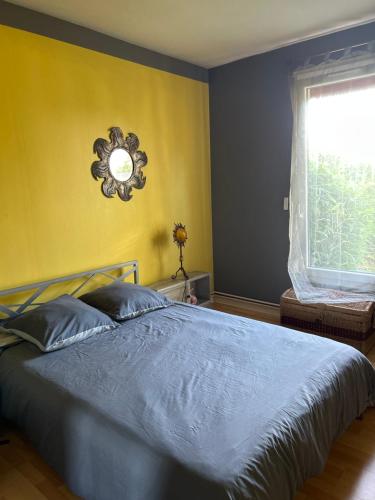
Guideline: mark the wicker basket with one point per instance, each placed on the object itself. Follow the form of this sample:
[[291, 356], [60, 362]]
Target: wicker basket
[[352, 323]]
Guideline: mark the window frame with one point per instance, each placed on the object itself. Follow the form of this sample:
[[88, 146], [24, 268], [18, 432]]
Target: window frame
[[324, 277]]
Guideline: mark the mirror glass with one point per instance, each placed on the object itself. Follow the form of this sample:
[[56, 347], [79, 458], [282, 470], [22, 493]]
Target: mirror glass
[[121, 164]]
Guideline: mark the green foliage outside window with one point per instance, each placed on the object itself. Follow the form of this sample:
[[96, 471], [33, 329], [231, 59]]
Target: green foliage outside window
[[341, 215]]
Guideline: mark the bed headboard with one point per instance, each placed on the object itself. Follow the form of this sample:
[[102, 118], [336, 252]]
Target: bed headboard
[[116, 272]]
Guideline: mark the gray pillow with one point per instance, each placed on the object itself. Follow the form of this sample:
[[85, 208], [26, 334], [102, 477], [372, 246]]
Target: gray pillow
[[59, 323], [124, 300]]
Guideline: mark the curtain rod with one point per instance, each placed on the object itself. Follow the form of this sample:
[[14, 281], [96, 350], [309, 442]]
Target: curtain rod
[[325, 56], [350, 47]]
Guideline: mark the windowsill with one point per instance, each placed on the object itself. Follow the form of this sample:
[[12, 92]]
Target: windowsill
[[365, 282]]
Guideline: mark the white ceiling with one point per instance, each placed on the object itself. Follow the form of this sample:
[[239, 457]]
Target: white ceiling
[[209, 32]]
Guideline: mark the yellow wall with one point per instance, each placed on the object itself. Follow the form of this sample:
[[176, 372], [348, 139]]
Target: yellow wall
[[56, 99]]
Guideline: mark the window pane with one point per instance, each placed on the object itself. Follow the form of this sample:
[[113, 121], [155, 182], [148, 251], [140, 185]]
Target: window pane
[[341, 177]]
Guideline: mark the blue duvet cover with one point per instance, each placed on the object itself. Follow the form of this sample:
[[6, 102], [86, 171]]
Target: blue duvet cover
[[186, 403]]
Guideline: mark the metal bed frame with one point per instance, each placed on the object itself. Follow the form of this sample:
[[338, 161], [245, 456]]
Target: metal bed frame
[[11, 310]]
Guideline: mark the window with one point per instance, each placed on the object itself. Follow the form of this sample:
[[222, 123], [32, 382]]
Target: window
[[341, 176], [332, 231]]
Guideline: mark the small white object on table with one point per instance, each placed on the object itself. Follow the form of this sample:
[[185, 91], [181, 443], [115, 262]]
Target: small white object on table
[[198, 285]]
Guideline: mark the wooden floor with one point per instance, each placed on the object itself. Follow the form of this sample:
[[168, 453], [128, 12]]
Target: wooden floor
[[348, 475]]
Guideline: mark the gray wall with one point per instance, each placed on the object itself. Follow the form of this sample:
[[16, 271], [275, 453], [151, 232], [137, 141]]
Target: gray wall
[[251, 127]]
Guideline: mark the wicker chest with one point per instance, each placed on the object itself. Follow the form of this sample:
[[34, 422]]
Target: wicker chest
[[352, 323]]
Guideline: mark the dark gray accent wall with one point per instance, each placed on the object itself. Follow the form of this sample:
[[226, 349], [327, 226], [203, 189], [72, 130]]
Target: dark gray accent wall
[[42, 24], [251, 133]]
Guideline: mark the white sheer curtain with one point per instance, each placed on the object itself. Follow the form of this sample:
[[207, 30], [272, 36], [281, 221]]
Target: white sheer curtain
[[332, 197]]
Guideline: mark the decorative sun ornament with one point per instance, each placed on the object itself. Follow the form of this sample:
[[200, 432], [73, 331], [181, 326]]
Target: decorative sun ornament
[[180, 237], [120, 164], [179, 234]]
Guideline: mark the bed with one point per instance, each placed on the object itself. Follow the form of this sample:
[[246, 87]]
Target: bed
[[186, 403]]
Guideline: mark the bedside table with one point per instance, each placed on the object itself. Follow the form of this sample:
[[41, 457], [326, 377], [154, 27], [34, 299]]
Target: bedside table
[[179, 289]]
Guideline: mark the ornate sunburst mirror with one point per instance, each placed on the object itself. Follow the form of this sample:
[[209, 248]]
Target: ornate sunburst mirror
[[120, 164]]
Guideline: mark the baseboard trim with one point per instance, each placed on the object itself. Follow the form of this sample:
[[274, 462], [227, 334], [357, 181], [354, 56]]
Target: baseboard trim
[[247, 304], [245, 299]]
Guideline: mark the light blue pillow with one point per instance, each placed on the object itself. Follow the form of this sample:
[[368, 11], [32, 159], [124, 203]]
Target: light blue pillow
[[59, 323], [125, 301]]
